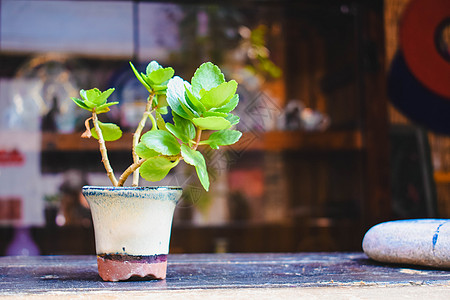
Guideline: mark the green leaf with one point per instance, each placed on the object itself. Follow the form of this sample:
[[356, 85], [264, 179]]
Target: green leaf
[[196, 159], [194, 102], [187, 109], [162, 100], [140, 78], [84, 96], [95, 99], [159, 89], [175, 97], [160, 121], [103, 97], [92, 95], [163, 110], [156, 168], [95, 96], [111, 132], [80, 103], [161, 141], [223, 138], [207, 76], [215, 114], [213, 145], [220, 95], [229, 106], [185, 125], [177, 132], [161, 75], [233, 119], [212, 123], [144, 152], [105, 107], [152, 66]]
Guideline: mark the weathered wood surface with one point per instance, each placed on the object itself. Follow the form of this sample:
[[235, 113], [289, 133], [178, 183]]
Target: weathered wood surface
[[34, 277]]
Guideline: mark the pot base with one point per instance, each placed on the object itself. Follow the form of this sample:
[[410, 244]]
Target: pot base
[[117, 267]]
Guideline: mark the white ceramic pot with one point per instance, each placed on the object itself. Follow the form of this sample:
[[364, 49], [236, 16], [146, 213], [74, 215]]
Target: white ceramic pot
[[132, 228]]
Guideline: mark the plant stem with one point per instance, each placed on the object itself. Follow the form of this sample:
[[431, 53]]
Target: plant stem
[[104, 153], [197, 138], [137, 136], [152, 118], [135, 166]]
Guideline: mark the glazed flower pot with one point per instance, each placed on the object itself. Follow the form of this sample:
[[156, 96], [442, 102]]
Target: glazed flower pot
[[132, 228]]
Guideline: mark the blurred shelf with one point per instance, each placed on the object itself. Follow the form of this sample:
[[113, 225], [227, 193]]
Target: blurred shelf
[[300, 140], [267, 141], [441, 177]]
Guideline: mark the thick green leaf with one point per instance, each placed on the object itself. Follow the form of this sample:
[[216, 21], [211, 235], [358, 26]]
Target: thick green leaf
[[213, 145], [160, 121], [185, 125], [233, 119], [110, 132], [84, 96], [223, 138], [194, 102], [89, 104], [212, 123], [187, 109], [196, 159], [144, 152], [103, 97], [105, 107], [156, 168], [215, 114], [152, 66], [140, 78], [175, 96], [97, 97], [206, 77], [229, 106], [163, 110], [161, 75], [161, 141], [220, 95], [92, 95], [159, 88], [177, 132], [81, 104], [162, 100]]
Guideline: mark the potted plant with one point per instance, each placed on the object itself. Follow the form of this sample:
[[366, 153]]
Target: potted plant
[[132, 224]]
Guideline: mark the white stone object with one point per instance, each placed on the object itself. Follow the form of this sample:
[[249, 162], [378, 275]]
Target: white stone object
[[423, 242]]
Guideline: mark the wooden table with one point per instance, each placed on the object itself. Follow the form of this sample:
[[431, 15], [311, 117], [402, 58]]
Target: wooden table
[[226, 276]]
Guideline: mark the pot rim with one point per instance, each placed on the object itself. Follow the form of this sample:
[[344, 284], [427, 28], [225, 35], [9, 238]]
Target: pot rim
[[132, 188]]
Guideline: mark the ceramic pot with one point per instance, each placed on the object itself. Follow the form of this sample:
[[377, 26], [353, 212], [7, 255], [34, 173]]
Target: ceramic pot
[[132, 228]]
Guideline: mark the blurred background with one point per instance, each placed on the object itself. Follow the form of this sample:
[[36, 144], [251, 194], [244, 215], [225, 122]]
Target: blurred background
[[338, 133]]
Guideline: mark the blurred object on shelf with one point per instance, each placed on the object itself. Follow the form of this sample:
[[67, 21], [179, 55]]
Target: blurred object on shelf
[[247, 194], [22, 243], [254, 47], [259, 78], [52, 204], [74, 210], [56, 82], [291, 117], [276, 197], [20, 146], [298, 117], [313, 120]]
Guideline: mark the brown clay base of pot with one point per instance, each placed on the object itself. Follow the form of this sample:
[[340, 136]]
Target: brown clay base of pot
[[116, 267]]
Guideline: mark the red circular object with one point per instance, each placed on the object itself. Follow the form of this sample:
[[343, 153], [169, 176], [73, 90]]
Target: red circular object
[[419, 28]]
